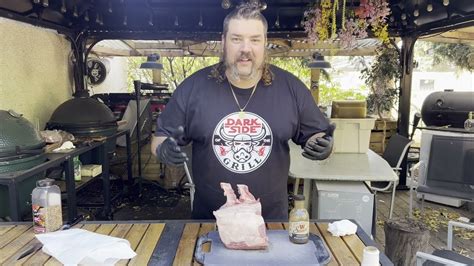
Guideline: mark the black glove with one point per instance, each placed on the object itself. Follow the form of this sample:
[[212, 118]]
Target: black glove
[[169, 152], [319, 147]]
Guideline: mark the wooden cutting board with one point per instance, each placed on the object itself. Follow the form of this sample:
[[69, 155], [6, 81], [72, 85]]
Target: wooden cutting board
[[279, 252]]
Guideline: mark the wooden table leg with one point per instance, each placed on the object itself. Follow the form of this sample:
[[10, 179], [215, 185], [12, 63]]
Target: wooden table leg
[[307, 194]]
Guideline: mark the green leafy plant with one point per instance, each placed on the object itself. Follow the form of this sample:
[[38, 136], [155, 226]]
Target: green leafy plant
[[381, 77], [332, 91], [461, 55], [328, 90], [175, 69]]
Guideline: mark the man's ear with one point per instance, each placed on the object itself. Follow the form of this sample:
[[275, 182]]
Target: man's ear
[[222, 42]]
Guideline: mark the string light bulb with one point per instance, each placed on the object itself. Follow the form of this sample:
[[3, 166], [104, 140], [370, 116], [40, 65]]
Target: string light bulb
[[176, 21], [277, 21], [226, 4], [429, 7], [416, 12], [445, 2], [45, 3], [125, 21], [110, 7], [200, 23], [263, 5], [75, 13], [63, 7], [403, 16], [86, 16], [150, 20]]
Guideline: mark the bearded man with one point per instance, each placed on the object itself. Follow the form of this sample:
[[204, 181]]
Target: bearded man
[[239, 115]]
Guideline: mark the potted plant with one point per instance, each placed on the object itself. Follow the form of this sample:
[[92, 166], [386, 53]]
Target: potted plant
[[381, 78]]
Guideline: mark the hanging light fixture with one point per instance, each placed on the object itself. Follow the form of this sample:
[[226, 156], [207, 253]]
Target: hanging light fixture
[[318, 62], [110, 7], [152, 62], [226, 4]]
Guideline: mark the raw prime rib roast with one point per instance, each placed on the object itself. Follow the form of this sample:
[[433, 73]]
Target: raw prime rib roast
[[239, 221]]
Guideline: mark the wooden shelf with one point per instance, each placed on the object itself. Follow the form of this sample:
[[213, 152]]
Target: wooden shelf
[[79, 184]]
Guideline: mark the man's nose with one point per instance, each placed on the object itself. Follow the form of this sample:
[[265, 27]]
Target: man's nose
[[246, 46]]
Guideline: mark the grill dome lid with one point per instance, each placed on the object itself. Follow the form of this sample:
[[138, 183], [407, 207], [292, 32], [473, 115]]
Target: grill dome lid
[[17, 135], [82, 111]]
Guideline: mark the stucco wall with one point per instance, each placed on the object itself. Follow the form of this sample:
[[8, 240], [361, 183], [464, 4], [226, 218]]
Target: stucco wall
[[35, 76]]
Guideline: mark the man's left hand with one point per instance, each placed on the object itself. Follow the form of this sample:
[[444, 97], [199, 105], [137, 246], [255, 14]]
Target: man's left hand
[[319, 146]]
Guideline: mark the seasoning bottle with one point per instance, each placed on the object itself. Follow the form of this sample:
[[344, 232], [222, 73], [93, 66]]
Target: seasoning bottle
[[299, 222], [46, 204], [77, 168]]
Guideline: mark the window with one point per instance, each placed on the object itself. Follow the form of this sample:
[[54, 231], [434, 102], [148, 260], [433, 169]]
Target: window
[[427, 84]]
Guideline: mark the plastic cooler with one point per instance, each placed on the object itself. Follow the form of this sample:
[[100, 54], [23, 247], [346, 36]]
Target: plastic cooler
[[352, 135]]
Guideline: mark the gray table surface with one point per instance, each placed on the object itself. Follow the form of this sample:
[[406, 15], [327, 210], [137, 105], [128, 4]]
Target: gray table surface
[[341, 167], [338, 167]]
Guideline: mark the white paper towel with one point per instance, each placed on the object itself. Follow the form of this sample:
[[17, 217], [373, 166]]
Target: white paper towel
[[78, 246], [67, 145], [342, 228]]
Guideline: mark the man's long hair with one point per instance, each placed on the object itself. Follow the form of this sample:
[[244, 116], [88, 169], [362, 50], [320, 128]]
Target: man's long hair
[[243, 11]]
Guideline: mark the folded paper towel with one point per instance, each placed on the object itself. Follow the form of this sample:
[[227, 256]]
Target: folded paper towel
[[342, 228], [67, 145], [78, 246]]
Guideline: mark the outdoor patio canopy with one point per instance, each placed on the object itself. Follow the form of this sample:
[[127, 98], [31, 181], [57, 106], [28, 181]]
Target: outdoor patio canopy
[[86, 22]]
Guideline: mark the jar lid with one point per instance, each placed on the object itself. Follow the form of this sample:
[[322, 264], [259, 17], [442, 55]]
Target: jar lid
[[298, 197], [45, 182]]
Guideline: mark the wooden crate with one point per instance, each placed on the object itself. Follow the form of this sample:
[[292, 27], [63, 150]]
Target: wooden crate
[[380, 135], [387, 124]]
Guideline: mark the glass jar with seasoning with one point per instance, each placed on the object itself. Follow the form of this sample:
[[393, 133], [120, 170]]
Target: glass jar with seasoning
[[46, 204]]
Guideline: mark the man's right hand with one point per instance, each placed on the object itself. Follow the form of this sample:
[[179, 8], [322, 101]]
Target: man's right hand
[[168, 152]]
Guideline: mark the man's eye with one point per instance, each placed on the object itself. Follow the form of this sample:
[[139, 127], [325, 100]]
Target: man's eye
[[255, 40], [236, 39]]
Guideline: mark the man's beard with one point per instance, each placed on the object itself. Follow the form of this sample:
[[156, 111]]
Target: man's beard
[[233, 70]]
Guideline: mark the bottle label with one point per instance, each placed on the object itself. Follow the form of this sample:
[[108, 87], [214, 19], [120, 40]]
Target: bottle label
[[39, 219], [299, 228], [77, 169]]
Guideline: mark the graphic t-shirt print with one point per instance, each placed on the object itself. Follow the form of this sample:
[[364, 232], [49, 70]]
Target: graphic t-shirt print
[[242, 142]]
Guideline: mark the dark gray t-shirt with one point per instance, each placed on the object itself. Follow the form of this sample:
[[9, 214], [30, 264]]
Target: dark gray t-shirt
[[242, 148]]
